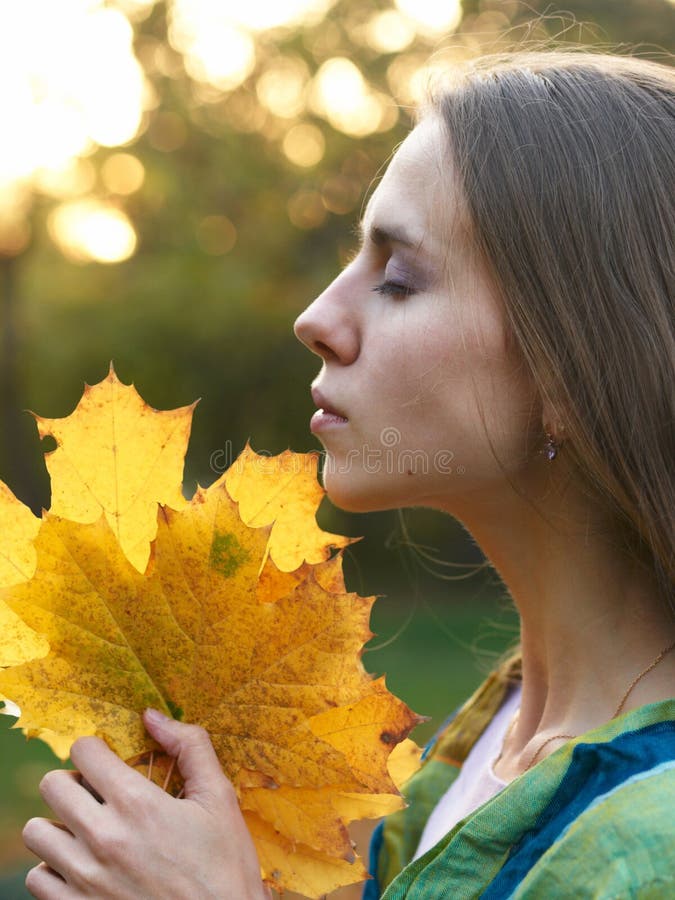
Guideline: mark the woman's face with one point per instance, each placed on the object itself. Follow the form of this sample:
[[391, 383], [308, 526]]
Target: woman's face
[[412, 342]]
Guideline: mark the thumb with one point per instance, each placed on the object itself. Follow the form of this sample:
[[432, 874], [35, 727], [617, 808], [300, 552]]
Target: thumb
[[194, 754]]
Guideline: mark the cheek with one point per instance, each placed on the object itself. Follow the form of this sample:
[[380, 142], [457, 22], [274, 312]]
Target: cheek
[[504, 387], [469, 381], [502, 409]]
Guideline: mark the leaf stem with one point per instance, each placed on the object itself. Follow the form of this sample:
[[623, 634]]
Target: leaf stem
[[169, 773]]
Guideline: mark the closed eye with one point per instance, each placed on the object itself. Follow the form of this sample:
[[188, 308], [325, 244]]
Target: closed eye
[[394, 289]]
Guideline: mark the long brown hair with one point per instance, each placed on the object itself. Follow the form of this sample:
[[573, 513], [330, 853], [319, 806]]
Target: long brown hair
[[567, 161]]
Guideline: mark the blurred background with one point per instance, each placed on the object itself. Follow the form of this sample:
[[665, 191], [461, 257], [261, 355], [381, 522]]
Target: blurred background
[[177, 181]]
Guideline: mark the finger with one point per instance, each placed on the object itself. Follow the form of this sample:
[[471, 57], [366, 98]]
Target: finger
[[194, 753], [85, 784], [63, 791], [103, 771], [45, 884], [50, 842]]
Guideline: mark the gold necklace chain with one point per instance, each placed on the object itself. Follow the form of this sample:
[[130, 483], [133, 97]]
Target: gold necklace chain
[[619, 708], [642, 674]]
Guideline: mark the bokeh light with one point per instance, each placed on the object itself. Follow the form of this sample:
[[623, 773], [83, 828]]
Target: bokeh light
[[216, 235], [70, 83], [432, 15], [89, 230], [342, 96], [341, 194], [259, 15], [282, 87], [306, 209], [406, 76], [123, 173], [215, 49], [75, 82], [82, 80], [136, 10], [389, 31], [325, 41], [216, 40], [72, 179], [304, 145]]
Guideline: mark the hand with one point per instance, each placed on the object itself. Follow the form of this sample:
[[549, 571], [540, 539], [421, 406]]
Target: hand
[[138, 842]]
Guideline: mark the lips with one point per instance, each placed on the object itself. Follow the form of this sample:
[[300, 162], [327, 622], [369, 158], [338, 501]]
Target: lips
[[325, 404]]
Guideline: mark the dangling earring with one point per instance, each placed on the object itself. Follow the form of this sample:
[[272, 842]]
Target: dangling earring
[[551, 446]]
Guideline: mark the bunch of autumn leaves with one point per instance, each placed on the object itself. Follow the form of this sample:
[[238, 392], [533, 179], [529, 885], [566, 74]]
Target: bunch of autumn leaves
[[228, 610]]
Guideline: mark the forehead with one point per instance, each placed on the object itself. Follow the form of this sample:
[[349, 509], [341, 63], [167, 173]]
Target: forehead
[[411, 194], [418, 193]]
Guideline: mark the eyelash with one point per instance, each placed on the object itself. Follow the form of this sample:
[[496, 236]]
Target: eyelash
[[394, 289]]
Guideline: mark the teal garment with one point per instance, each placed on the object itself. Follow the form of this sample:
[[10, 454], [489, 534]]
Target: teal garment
[[595, 819]]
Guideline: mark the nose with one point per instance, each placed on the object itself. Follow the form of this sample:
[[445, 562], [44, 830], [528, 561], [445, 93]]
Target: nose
[[328, 327]]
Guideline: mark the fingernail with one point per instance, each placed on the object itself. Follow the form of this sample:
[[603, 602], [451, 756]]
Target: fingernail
[[155, 717]]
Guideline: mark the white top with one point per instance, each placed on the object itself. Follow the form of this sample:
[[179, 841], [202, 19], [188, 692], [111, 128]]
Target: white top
[[476, 782]]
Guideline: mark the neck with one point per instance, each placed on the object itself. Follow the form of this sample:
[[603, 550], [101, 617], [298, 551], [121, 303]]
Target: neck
[[591, 619]]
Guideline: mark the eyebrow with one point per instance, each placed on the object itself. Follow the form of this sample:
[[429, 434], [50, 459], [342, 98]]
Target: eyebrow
[[381, 236]]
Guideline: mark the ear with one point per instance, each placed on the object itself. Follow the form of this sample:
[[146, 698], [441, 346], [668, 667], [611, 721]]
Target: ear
[[551, 422]]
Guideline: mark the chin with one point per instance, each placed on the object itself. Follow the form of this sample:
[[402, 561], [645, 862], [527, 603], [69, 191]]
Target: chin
[[343, 494], [359, 492]]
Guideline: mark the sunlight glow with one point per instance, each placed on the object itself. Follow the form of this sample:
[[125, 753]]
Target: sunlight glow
[[136, 10], [432, 15], [215, 37], [75, 178], [261, 14], [341, 94], [282, 86], [68, 79], [88, 230], [215, 49], [389, 31]]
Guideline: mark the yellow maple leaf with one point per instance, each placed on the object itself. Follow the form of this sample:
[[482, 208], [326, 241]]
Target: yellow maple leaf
[[283, 491], [18, 527], [117, 455], [240, 622], [278, 684]]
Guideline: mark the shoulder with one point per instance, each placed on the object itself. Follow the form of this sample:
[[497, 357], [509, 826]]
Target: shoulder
[[619, 846], [593, 820]]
